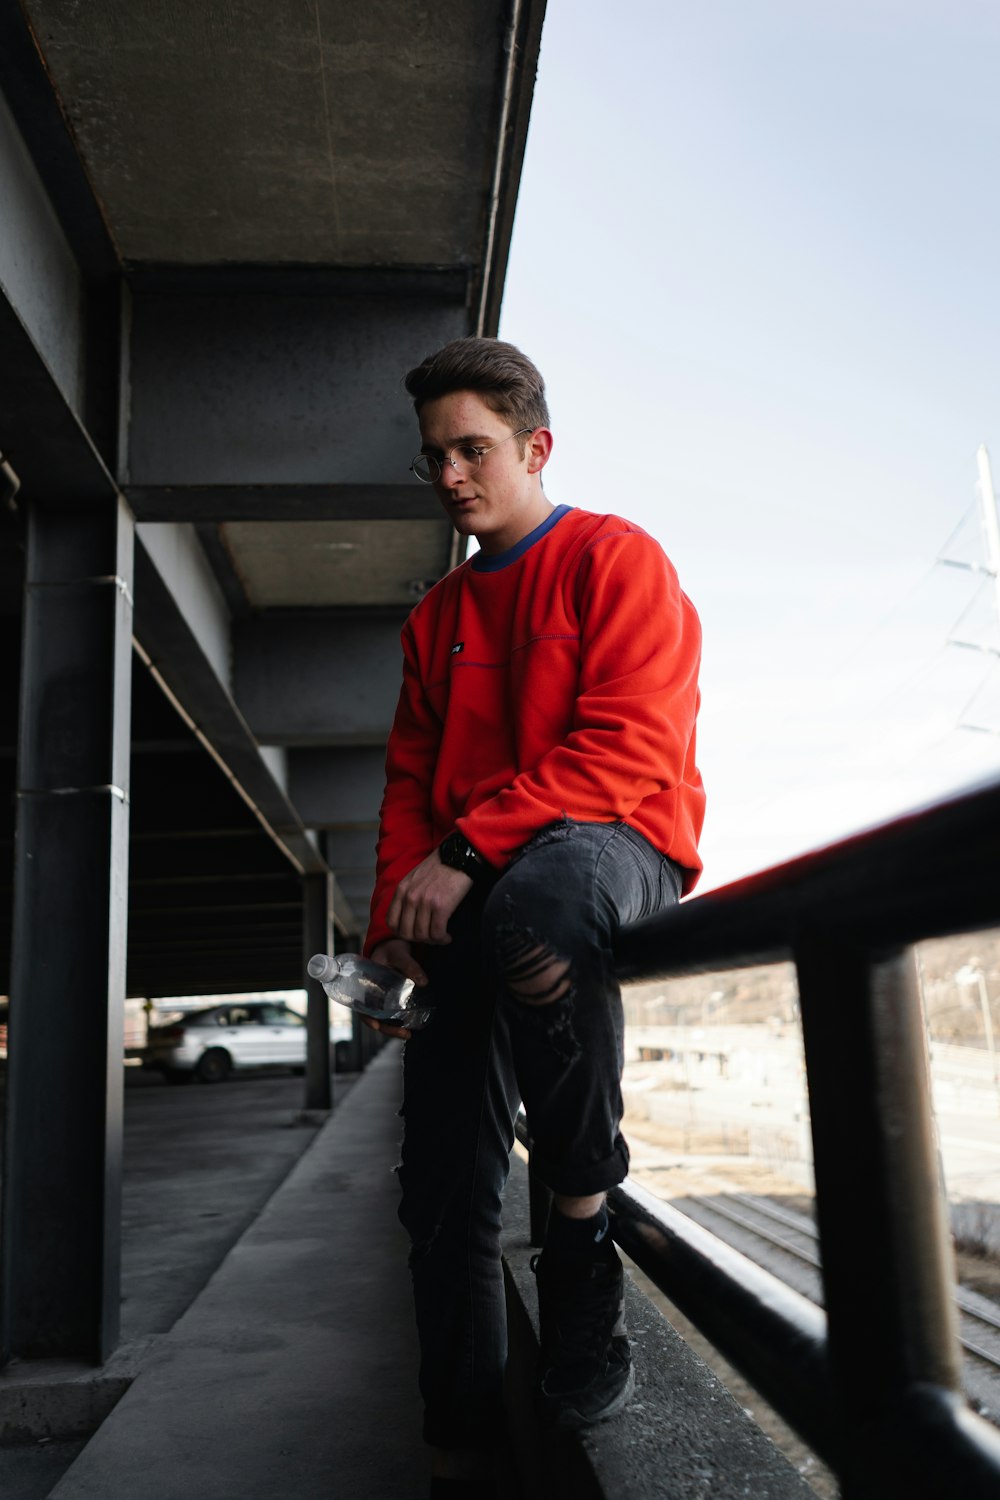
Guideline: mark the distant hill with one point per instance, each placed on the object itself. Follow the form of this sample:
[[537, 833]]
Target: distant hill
[[745, 996]]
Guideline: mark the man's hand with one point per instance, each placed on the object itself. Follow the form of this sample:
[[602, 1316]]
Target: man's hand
[[396, 954], [425, 900]]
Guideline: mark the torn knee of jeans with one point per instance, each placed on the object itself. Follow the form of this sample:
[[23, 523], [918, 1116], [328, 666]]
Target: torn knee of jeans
[[531, 971]]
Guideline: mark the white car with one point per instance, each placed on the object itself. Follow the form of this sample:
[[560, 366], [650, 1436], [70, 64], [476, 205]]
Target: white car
[[209, 1044]]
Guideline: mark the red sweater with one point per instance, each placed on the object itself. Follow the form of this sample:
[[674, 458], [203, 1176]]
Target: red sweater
[[560, 677]]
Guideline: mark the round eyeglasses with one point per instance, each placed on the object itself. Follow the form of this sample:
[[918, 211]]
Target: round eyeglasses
[[465, 459]]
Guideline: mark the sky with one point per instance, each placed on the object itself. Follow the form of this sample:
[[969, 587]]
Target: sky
[[756, 257]]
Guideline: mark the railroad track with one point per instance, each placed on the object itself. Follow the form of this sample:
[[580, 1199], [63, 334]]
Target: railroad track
[[749, 1222]]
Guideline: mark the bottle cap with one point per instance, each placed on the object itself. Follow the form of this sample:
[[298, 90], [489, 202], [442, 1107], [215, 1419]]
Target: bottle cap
[[322, 967]]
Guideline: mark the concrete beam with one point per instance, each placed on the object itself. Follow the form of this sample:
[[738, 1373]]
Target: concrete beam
[[60, 292], [285, 502], [182, 633], [42, 390], [358, 890], [350, 848], [175, 554], [338, 788], [32, 102], [522, 49], [440, 283], [350, 852], [317, 936], [319, 678], [38, 274], [41, 435], [264, 388]]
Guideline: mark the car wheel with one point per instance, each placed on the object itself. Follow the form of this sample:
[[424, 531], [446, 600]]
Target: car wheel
[[177, 1075], [214, 1065]]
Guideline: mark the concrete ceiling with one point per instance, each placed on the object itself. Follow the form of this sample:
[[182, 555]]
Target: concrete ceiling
[[235, 225], [282, 131], [353, 562]]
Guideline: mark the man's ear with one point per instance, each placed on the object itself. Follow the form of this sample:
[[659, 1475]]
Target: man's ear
[[539, 449]]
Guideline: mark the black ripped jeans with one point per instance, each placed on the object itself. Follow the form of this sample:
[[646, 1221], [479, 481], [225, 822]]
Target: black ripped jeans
[[565, 894]]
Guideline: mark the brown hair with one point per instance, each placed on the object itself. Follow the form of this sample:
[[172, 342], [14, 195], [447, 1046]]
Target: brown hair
[[499, 373]]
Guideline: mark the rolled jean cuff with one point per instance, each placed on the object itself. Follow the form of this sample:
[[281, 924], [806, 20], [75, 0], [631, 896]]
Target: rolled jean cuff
[[581, 1179]]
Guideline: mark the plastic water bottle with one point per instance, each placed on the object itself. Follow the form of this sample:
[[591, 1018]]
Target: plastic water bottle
[[369, 988]]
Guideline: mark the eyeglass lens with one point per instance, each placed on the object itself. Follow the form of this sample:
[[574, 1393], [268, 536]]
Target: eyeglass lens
[[464, 460]]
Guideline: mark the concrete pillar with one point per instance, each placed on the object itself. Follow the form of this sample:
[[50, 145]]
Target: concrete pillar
[[61, 1234], [318, 938]]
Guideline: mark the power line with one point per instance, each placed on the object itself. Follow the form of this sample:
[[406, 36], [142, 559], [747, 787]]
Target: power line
[[986, 498], [991, 539]]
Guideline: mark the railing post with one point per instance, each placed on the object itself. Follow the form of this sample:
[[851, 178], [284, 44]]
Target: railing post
[[318, 938], [887, 1265]]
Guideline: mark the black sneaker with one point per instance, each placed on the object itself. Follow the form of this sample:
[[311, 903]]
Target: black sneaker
[[586, 1363]]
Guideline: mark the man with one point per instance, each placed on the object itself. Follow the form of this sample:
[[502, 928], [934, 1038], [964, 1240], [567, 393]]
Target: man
[[541, 792]]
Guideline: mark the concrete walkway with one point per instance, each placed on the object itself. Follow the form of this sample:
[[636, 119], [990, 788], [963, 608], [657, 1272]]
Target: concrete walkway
[[293, 1373]]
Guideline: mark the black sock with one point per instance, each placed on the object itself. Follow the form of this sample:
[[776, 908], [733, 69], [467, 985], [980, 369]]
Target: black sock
[[566, 1236]]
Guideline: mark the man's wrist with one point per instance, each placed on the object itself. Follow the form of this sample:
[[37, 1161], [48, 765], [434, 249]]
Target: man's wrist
[[457, 853]]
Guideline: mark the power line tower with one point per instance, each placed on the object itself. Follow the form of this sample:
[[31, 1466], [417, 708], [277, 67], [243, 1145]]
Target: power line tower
[[990, 520]]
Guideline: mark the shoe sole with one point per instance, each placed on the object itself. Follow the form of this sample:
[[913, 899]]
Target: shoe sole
[[568, 1418]]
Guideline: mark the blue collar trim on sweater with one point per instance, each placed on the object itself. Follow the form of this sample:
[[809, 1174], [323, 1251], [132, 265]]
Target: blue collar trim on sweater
[[483, 564]]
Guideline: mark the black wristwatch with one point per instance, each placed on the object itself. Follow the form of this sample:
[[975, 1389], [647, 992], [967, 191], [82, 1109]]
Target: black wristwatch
[[458, 854]]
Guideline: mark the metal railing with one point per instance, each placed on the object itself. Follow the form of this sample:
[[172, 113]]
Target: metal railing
[[873, 1384]]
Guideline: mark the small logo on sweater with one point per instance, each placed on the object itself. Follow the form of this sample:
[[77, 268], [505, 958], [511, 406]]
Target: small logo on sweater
[[458, 646]]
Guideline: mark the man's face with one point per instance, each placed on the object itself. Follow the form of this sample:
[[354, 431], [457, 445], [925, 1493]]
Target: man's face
[[502, 501]]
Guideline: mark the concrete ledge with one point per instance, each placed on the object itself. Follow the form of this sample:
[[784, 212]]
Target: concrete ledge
[[294, 1370], [682, 1433], [49, 1398]]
